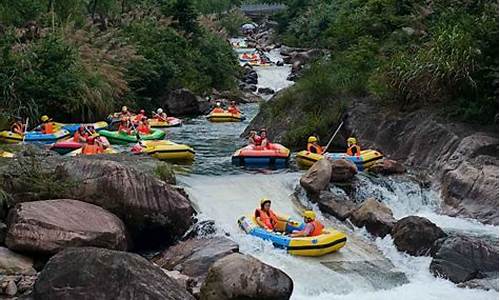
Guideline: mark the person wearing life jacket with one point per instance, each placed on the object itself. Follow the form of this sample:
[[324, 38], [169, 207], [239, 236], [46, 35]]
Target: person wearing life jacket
[[47, 126], [313, 146], [143, 126], [160, 115], [124, 127], [124, 113], [313, 226], [233, 109], [265, 142], [267, 219], [252, 138], [218, 108], [17, 126], [80, 135], [138, 118], [91, 147], [352, 147]]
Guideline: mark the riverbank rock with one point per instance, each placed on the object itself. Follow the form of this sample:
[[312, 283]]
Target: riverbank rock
[[182, 102], [52, 225], [239, 276], [387, 167], [152, 210], [376, 217], [95, 273], [317, 178], [265, 91], [342, 170], [416, 235], [489, 283], [12, 263], [194, 257], [339, 206], [19, 286], [461, 259]]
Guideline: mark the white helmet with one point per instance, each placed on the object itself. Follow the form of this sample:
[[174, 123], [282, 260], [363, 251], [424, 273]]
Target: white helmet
[[218, 103], [159, 110]]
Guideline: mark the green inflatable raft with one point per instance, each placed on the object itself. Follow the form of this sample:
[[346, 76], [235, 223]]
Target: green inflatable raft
[[115, 137]]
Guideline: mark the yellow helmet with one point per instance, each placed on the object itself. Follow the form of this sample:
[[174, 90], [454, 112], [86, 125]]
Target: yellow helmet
[[44, 118], [310, 214], [312, 139], [264, 200], [352, 140]]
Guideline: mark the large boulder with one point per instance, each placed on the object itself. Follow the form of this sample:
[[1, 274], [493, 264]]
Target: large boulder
[[52, 225], [265, 91], [317, 177], [374, 216], [96, 273], [337, 205], [182, 102], [152, 210], [195, 256], [387, 167], [12, 263], [416, 235], [461, 258], [239, 276], [342, 170]]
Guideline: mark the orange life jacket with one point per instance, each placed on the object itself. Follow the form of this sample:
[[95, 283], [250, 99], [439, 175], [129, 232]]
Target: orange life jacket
[[318, 228], [217, 110], [48, 128], [270, 220], [124, 128], [91, 149], [314, 148], [354, 150], [233, 109], [143, 129]]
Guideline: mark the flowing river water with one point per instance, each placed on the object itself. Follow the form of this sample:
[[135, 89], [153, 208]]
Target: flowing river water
[[366, 268]]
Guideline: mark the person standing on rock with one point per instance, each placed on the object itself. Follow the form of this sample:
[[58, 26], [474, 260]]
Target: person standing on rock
[[313, 227], [352, 147], [267, 219], [313, 145]]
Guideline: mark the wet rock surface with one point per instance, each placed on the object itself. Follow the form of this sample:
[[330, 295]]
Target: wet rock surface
[[461, 258], [95, 273], [52, 225], [183, 102], [342, 170], [376, 217], [416, 235], [239, 276], [318, 177], [339, 206]]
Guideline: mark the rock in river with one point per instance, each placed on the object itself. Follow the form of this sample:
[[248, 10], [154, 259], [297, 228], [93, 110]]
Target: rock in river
[[339, 206], [343, 170], [52, 225], [12, 263], [375, 216], [415, 235], [151, 209], [239, 276], [317, 177], [96, 273], [461, 258]]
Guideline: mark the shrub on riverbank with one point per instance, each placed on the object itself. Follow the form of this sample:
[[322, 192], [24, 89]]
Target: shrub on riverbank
[[84, 59], [411, 53]]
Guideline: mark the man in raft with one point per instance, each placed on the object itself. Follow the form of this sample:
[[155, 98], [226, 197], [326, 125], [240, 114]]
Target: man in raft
[[267, 219], [160, 115], [92, 147], [313, 227], [352, 147], [313, 145], [218, 108], [47, 126], [233, 108]]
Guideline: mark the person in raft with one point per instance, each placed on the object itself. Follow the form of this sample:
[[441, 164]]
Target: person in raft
[[267, 219], [125, 113], [47, 126], [91, 147], [218, 108], [140, 116], [352, 147], [160, 115], [265, 142], [17, 126], [81, 135], [233, 108], [254, 139], [124, 127], [143, 126], [313, 145], [313, 226]]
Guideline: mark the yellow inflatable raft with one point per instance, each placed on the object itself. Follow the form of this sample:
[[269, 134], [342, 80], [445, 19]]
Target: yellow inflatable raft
[[330, 241], [225, 117], [167, 150], [5, 154], [367, 158]]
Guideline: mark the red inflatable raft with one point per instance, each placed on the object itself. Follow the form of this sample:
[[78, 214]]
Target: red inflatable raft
[[274, 155]]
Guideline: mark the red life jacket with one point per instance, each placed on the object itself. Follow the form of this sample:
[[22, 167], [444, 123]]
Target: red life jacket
[[314, 148], [233, 109], [258, 140], [47, 128], [270, 220], [91, 149], [318, 228], [217, 110], [354, 150]]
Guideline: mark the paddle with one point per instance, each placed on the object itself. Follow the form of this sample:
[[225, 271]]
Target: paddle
[[334, 134], [25, 129]]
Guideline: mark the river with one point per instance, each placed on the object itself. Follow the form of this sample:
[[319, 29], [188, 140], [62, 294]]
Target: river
[[366, 268]]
